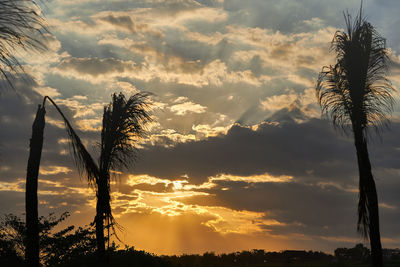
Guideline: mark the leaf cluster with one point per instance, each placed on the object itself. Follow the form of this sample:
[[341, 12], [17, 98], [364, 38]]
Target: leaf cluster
[[355, 90], [21, 26]]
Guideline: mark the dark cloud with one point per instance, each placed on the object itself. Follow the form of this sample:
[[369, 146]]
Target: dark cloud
[[95, 66], [314, 209], [321, 200], [289, 149], [81, 46], [124, 22]]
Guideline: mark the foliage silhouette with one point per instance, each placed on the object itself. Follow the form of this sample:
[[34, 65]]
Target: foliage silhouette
[[358, 253], [70, 247], [21, 26], [65, 247], [56, 247], [356, 93]]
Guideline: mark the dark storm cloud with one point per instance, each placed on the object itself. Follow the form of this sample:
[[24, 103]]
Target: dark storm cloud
[[300, 208], [310, 150], [286, 149], [322, 197]]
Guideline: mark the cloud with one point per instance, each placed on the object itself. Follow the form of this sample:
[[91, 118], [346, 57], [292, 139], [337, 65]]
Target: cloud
[[47, 91], [249, 156], [262, 178], [17, 186], [52, 170], [305, 101], [187, 107], [206, 130], [95, 66], [124, 22]]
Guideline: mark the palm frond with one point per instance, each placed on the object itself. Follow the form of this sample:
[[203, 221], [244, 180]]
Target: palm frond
[[124, 123], [21, 26], [83, 159], [355, 90], [333, 95]]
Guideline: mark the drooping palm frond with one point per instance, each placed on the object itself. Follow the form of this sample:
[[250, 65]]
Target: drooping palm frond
[[21, 26], [333, 96], [83, 159], [355, 90]]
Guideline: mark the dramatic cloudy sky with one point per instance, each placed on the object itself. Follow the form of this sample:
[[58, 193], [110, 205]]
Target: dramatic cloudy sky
[[238, 156]]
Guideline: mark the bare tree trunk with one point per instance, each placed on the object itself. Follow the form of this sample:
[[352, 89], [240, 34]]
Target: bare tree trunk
[[31, 198], [367, 184]]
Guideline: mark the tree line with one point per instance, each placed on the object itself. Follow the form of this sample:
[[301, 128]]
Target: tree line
[[77, 247]]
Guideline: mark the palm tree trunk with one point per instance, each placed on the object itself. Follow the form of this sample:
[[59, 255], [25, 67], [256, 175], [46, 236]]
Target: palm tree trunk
[[99, 220], [367, 187], [31, 198]]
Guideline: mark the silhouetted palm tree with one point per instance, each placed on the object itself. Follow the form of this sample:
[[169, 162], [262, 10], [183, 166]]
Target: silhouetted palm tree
[[31, 198], [123, 125], [21, 26], [355, 92]]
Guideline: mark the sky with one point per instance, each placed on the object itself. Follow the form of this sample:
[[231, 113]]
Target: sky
[[238, 156]]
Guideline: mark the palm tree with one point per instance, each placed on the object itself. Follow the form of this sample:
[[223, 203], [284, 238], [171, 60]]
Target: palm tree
[[31, 197], [21, 26], [356, 94], [123, 125]]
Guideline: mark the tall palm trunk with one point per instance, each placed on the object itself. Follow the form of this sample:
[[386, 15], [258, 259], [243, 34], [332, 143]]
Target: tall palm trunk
[[103, 211], [368, 198], [31, 198], [99, 220]]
